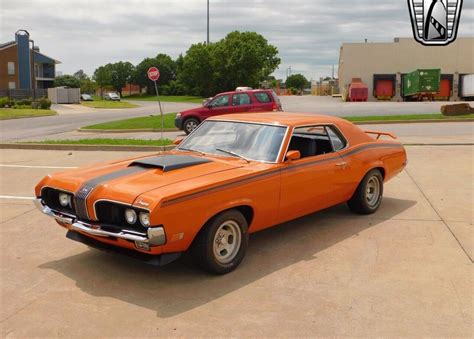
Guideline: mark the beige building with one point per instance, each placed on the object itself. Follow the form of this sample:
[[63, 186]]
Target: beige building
[[381, 66]]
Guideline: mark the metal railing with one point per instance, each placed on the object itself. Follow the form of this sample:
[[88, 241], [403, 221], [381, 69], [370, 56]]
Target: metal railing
[[20, 94]]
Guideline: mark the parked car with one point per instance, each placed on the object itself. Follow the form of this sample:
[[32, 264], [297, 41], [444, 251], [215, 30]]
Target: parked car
[[260, 100], [243, 88], [236, 174], [86, 97], [112, 96]]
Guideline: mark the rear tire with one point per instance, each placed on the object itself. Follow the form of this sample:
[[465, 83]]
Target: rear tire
[[190, 125], [221, 245], [368, 196]]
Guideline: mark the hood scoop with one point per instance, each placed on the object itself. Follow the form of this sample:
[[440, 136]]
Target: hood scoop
[[169, 162]]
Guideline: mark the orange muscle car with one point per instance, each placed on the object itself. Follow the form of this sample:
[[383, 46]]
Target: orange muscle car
[[234, 175]]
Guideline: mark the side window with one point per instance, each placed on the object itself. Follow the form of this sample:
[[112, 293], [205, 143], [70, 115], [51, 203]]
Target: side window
[[338, 141], [12, 85], [11, 68], [240, 99], [310, 141], [220, 101], [262, 97]]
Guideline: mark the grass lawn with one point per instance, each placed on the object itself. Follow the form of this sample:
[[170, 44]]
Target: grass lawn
[[108, 104], [12, 113], [436, 116], [165, 98], [106, 141], [153, 122]]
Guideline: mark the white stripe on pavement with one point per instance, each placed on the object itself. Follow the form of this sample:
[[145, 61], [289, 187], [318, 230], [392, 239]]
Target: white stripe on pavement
[[26, 166], [16, 197]]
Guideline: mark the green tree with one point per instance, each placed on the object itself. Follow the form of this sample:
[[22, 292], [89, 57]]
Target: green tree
[[164, 63], [66, 80], [121, 74], [197, 71], [297, 81], [240, 59], [243, 59], [81, 75], [103, 77]]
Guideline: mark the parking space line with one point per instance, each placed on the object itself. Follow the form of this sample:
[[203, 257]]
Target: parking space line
[[16, 197], [28, 166]]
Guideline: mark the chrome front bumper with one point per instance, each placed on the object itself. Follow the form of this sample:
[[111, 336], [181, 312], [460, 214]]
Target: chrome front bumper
[[154, 236]]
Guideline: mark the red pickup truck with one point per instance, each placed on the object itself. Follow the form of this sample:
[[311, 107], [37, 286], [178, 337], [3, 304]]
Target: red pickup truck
[[258, 100]]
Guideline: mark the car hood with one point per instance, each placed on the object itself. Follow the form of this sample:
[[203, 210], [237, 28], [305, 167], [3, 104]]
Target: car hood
[[196, 110], [124, 181]]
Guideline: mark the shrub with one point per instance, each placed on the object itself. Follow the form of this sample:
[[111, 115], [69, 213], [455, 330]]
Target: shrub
[[4, 102], [24, 102], [44, 103]]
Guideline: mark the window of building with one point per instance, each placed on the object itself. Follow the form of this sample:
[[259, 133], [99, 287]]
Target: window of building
[[12, 85], [11, 68], [240, 99], [262, 97]]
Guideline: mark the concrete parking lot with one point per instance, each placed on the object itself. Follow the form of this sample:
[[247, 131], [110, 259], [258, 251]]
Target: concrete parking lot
[[405, 271]]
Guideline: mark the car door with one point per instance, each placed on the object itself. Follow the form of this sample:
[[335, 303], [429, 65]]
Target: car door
[[218, 106], [312, 182], [241, 103], [263, 102]]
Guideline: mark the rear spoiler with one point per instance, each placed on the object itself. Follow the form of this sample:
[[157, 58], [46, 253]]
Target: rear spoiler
[[379, 134]]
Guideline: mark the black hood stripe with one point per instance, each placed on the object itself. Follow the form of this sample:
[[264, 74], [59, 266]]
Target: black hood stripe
[[165, 162], [80, 199]]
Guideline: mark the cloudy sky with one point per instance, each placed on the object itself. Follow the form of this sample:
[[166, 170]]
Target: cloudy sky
[[86, 34]]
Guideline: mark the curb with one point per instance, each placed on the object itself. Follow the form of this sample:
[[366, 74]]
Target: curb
[[51, 147], [383, 122], [127, 130]]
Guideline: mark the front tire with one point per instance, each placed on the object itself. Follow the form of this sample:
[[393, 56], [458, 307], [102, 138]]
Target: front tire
[[368, 196], [221, 245], [190, 125]]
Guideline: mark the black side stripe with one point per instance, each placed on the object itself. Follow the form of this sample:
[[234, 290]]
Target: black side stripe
[[80, 198], [270, 173]]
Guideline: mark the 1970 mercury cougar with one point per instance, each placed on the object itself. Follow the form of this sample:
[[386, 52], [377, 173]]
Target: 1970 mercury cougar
[[234, 175]]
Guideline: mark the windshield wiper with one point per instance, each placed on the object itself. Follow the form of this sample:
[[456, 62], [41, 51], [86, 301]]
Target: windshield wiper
[[191, 150], [232, 153]]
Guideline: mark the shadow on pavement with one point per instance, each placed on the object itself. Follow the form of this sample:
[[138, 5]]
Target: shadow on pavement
[[180, 286]]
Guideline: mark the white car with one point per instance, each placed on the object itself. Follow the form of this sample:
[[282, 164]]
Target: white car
[[86, 97], [243, 88], [112, 96]]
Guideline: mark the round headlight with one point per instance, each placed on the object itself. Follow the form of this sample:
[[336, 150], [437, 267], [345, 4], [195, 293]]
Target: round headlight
[[64, 199], [130, 216], [144, 218]]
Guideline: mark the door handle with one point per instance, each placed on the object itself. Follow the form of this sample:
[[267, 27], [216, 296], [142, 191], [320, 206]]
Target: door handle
[[341, 164]]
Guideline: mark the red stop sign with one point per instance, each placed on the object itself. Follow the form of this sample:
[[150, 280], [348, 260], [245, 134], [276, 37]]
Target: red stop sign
[[153, 73]]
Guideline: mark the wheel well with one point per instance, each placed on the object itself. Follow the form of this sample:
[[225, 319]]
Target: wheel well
[[247, 212], [191, 117], [382, 171]]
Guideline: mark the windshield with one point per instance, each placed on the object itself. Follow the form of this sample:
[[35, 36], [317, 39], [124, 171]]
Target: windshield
[[239, 139]]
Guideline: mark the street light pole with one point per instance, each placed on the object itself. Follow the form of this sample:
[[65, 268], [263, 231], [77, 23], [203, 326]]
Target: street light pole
[[207, 22]]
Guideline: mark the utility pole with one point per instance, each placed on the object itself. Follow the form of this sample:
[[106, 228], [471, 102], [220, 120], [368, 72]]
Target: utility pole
[[207, 22]]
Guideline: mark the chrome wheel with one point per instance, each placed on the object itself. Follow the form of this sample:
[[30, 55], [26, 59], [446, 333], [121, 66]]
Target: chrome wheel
[[191, 125], [227, 241], [372, 192]]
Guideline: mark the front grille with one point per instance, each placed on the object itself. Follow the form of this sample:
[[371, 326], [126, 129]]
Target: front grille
[[50, 197], [110, 213], [80, 201]]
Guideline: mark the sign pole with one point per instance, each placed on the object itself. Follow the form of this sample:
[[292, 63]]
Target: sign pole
[[161, 114]]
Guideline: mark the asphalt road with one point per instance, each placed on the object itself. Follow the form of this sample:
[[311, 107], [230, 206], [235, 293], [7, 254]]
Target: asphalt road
[[72, 117], [405, 271]]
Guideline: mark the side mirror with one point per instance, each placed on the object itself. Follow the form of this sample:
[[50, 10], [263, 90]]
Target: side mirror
[[293, 155], [177, 141]]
